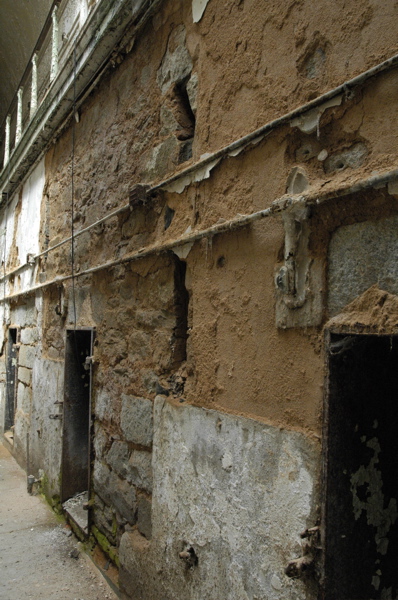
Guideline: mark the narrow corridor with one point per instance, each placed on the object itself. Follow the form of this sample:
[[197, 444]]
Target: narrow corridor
[[39, 557]]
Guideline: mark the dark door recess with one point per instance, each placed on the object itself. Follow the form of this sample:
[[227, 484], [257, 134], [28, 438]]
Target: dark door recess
[[361, 503], [11, 378], [76, 417]]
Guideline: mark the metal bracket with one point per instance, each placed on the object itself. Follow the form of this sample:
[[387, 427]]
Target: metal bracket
[[298, 283], [311, 547], [292, 278]]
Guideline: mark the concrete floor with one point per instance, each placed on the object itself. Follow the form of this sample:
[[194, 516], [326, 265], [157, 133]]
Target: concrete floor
[[39, 558]]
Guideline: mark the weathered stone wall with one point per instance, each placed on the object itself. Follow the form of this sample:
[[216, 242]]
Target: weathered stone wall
[[228, 462], [204, 466]]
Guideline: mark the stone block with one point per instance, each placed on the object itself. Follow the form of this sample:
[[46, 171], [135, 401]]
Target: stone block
[[115, 492], [100, 440], [353, 158], [21, 428], [118, 457], [177, 62], [139, 470], [25, 315], [103, 405], [136, 420], [103, 519], [2, 366], [163, 158], [144, 516], [361, 255], [123, 498], [26, 356], [25, 375], [101, 474], [133, 552], [24, 398], [29, 335]]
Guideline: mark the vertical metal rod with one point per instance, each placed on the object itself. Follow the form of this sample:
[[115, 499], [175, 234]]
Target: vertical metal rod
[[27, 461]]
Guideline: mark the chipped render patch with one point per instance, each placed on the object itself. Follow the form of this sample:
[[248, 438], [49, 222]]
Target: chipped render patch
[[198, 9], [309, 121], [180, 184]]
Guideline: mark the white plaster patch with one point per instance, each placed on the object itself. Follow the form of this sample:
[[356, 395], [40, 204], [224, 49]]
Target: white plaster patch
[[239, 491], [28, 227], [308, 122], [198, 9], [7, 230], [181, 183]]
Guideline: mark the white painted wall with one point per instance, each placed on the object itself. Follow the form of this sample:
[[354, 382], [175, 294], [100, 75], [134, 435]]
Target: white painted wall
[[28, 227], [7, 222], [239, 492]]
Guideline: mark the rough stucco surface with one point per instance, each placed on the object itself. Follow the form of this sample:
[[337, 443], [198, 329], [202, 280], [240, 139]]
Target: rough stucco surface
[[204, 466], [232, 468]]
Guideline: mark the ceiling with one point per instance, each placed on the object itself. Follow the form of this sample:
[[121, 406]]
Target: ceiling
[[21, 23]]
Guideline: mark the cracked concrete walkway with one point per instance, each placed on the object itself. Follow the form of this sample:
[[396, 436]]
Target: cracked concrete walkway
[[35, 549]]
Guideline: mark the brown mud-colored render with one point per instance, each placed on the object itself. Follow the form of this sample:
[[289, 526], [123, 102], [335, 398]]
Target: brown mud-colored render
[[211, 187]]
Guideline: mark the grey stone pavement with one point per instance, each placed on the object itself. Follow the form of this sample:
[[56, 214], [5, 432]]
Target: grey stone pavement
[[39, 558]]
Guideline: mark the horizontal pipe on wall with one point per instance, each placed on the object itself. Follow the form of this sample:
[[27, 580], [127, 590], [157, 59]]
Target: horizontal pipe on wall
[[237, 144], [279, 205]]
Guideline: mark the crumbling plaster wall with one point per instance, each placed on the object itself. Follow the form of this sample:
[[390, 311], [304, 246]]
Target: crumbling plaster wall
[[204, 466], [238, 185], [239, 66]]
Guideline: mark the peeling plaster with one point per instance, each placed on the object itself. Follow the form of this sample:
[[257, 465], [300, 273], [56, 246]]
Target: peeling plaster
[[309, 121], [180, 184], [373, 507], [198, 9]]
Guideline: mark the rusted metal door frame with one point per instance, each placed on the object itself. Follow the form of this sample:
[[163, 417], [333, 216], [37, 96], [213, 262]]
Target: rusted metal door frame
[[342, 330], [92, 330], [11, 346]]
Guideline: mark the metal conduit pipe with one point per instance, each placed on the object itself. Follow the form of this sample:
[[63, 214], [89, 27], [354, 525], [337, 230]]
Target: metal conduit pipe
[[237, 144], [279, 206]]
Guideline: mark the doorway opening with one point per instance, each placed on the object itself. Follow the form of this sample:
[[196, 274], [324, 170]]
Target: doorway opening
[[361, 469], [76, 447], [11, 381]]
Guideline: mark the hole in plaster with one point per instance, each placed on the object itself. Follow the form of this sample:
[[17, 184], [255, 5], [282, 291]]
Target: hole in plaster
[[184, 113], [181, 301], [168, 217]]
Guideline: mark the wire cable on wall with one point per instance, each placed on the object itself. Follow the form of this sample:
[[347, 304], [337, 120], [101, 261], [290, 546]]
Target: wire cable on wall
[[73, 188], [9, 416]]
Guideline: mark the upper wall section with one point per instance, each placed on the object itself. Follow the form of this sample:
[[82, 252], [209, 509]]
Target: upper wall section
[[250, 63], [76, 42], [18, 38], [258, 60]]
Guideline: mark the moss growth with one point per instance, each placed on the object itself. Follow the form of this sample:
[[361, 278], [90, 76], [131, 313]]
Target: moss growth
[[106, 546], [114, 525], [53, 500]]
